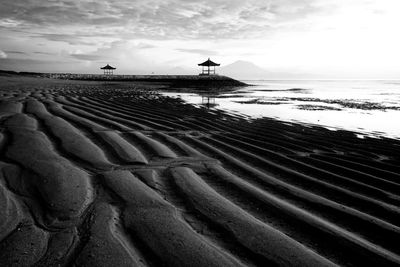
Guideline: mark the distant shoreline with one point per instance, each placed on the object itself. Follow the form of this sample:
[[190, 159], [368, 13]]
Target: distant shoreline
[[177, 81]]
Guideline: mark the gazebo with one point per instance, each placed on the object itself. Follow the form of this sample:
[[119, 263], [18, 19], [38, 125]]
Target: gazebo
[[108, 70], [208, 67]]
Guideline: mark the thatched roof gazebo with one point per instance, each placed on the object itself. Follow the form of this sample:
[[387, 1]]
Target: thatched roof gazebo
[[108, 70], [208, 67]]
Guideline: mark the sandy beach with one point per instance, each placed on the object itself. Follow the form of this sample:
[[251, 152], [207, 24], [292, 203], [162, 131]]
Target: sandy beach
[[115, 174]]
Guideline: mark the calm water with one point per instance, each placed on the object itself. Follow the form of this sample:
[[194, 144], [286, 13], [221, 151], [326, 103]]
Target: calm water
[[367, 107]]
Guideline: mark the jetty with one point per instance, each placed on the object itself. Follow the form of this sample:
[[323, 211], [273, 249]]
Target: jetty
[[178, 81]]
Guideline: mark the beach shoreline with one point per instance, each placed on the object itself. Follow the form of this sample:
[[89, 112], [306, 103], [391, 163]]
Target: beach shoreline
[[102, 174]]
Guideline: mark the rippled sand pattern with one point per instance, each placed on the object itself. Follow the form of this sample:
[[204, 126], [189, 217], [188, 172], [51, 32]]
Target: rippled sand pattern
[[94, 175]]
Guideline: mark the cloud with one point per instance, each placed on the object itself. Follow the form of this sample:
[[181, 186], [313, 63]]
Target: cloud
[[145, 46], [202, 52], [38, 65], [8, 23], [15, 52], [3, 54], [169, 19], [88, 57], [287, 34], [122, 51], [44, 53], [70, 38]]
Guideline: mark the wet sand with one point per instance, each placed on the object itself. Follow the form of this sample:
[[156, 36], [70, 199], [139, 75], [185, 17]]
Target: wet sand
[[113, 174]]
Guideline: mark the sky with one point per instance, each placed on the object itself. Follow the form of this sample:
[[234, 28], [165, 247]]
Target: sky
[[314, 38]]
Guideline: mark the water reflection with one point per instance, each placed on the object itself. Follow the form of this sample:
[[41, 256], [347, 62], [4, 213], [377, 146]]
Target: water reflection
[[208, 100], [369, 107]]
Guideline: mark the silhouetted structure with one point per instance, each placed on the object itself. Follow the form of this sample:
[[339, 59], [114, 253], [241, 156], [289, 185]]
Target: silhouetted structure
[[208, 101], [207, 67], [108, 70]]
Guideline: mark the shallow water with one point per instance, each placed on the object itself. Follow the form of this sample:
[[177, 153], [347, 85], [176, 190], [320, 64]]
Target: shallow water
[[368, 107]]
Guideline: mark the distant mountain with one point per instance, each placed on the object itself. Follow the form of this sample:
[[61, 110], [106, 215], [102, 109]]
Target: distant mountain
[[244, 70]]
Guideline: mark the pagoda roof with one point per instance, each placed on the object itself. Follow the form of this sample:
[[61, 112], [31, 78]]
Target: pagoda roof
[[208, 63], [108, 67]]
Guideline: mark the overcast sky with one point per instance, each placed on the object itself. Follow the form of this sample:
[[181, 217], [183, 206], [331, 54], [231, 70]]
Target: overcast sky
[[324, 38]]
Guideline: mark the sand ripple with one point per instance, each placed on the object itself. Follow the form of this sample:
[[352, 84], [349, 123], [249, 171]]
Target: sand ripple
[[108, 175]]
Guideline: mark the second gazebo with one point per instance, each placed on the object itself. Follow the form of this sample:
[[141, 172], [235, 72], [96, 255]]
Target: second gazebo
[[108, 70], [208, 67]]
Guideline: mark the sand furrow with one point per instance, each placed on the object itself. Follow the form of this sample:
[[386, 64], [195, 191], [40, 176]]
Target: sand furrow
[[11, 212], [259, 237], [71, 139], [212, 124], [142, 107], [65, 188], [277, 151], [269, 136], [89, 128], [381, 170], [24, 246], [56, 109], [318, 231], [59, 249], [362, 147], [265, 144], [366, 204], [125, 151], [163, 184], [323, 206], [148, 176], [21, 121], [137, 108], [272, 142], [23, 183], [133, 108], [104, 247], [116, 174], [127, 115], [155, 222], [181, 122], [10, 107], [188, 150], [2, 141], [375, 190], [159, 149], [357, 174], [97, 118], [353, 147], [145, 118], [390, 164], [293, 139], [105, 113]]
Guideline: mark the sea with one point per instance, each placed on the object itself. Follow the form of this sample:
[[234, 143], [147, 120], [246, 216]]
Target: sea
[[367, 107]]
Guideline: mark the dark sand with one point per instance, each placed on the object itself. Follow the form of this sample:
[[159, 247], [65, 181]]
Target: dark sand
[[113, 174]]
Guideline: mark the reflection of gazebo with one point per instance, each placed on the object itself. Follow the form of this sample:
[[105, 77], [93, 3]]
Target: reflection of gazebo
[[108, 70], [208, 100], [206, 67]]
